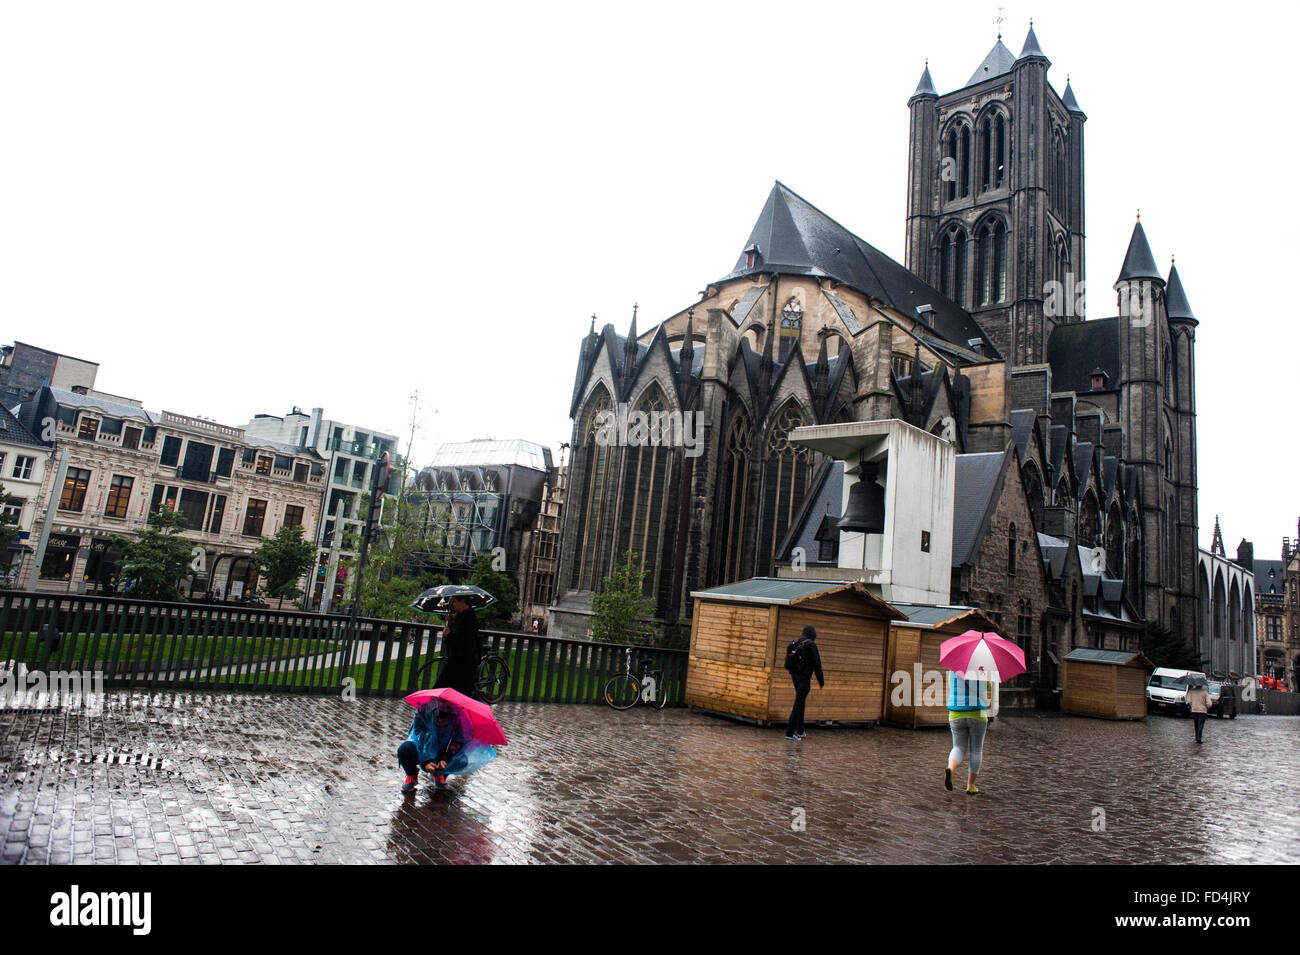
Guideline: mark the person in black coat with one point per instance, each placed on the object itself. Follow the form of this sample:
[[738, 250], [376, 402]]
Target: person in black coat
[[461, 649], [809, 662]]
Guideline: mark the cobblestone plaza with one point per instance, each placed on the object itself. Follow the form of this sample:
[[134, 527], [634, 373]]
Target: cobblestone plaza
[[208, 778]]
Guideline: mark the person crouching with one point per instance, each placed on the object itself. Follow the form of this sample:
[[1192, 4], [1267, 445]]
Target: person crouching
[[435, 742]]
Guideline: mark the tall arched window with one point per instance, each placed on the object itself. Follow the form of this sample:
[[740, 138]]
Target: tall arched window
[[963, 176], [1011, 550], [595, 497], [992, 152], [991, 262], [1034, 491], [1089, 521], [986, 154], [647, 472], [957, 168], [952, 265], [1114, 542], [791, 325], [786, 471], [1000, 151], [733, 496]]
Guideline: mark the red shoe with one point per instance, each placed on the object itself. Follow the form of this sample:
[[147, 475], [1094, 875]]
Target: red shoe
[[409, 785], [441, 781]]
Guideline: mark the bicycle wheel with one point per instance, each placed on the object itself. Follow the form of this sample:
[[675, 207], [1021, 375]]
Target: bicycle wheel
[[622, 692], [661, 690], [493, 679]]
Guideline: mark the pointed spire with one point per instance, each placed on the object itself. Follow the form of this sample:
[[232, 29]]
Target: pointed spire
[[1139, 263], [1216, 545], [821, 372], [1068, 100], [1176, 304], [686, 357], [917, 395], [1031, 47], [926, 86], [629, 355], [593, 324], [765, 366]]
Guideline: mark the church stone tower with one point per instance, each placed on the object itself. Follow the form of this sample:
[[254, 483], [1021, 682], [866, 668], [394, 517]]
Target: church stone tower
[[995, 199]]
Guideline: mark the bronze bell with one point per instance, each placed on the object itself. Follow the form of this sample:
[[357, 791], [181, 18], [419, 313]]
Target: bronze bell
[[866, 511]]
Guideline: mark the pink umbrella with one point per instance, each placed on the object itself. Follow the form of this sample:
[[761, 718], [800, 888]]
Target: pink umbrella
[[482, 724], [982, 656]]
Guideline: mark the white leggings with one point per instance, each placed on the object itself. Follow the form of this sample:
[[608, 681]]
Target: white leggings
[[967, 734]]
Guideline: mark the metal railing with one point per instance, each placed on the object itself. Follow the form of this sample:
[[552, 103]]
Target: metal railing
[[156, 645]]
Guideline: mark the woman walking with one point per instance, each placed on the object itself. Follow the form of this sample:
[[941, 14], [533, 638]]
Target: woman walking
[[1198, 699], [971, 704]]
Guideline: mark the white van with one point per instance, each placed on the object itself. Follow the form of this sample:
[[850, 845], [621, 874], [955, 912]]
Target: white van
[[1167, 690]]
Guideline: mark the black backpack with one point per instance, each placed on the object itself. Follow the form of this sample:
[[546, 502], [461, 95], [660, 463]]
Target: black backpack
[[796, 656]]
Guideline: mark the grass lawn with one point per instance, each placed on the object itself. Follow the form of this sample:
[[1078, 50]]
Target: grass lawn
[[167, 651]]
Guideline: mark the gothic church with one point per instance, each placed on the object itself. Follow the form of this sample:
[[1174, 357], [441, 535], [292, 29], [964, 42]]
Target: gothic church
[[976, 337]]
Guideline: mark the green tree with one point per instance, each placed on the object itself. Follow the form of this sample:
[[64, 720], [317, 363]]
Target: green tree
[[1165, 649], [158, 558], [8, 531], [622, 613], [284, 558], [499, 585]]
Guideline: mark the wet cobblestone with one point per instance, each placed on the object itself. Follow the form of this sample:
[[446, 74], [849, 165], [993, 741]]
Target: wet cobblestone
[[219, 778]]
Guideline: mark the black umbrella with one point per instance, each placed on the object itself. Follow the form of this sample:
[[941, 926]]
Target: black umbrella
[[438, 599]]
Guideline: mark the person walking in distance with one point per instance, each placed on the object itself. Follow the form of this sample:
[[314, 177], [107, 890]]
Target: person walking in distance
[[802, 660], [1198, 699], [971, 704]]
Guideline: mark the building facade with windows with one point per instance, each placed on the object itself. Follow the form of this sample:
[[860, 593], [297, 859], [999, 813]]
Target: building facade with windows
[[1277, 610], [539, 585], [24, 463], [1225, 630], [485, 497], [114, 462], [349, 453]]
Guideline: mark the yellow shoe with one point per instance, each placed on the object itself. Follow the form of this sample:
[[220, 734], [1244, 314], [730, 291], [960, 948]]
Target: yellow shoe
[[947, 779], [972, 791]]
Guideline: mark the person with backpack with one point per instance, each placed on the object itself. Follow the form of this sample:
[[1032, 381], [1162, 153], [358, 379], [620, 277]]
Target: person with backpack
[[802, 660]]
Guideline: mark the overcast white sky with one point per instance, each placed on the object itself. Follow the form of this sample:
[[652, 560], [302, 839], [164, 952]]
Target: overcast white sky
[[239, 207]]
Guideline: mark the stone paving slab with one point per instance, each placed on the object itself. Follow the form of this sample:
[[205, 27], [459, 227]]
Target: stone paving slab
[[228, 778]]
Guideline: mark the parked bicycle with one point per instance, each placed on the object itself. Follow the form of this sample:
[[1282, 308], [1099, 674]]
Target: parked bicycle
[[490, 682], [628, 688]]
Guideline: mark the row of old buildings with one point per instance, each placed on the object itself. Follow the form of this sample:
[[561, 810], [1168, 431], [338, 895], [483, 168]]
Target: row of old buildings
[[83, 467]]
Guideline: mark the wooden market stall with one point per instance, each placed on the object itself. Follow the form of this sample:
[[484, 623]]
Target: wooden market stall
[[1106, 683], [917, 691], [739, 635]]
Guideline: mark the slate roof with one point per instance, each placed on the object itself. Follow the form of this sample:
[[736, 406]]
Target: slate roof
[[926, 86], [1068, 100], [1176, 304], [794, 237], [114, 409], [1139, 263], [1264, 584], [1075, 349], [930, 615], [1031, 47], [1116, 657], [1055, 552], [999, 60], [12, 431], [978, 480]]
